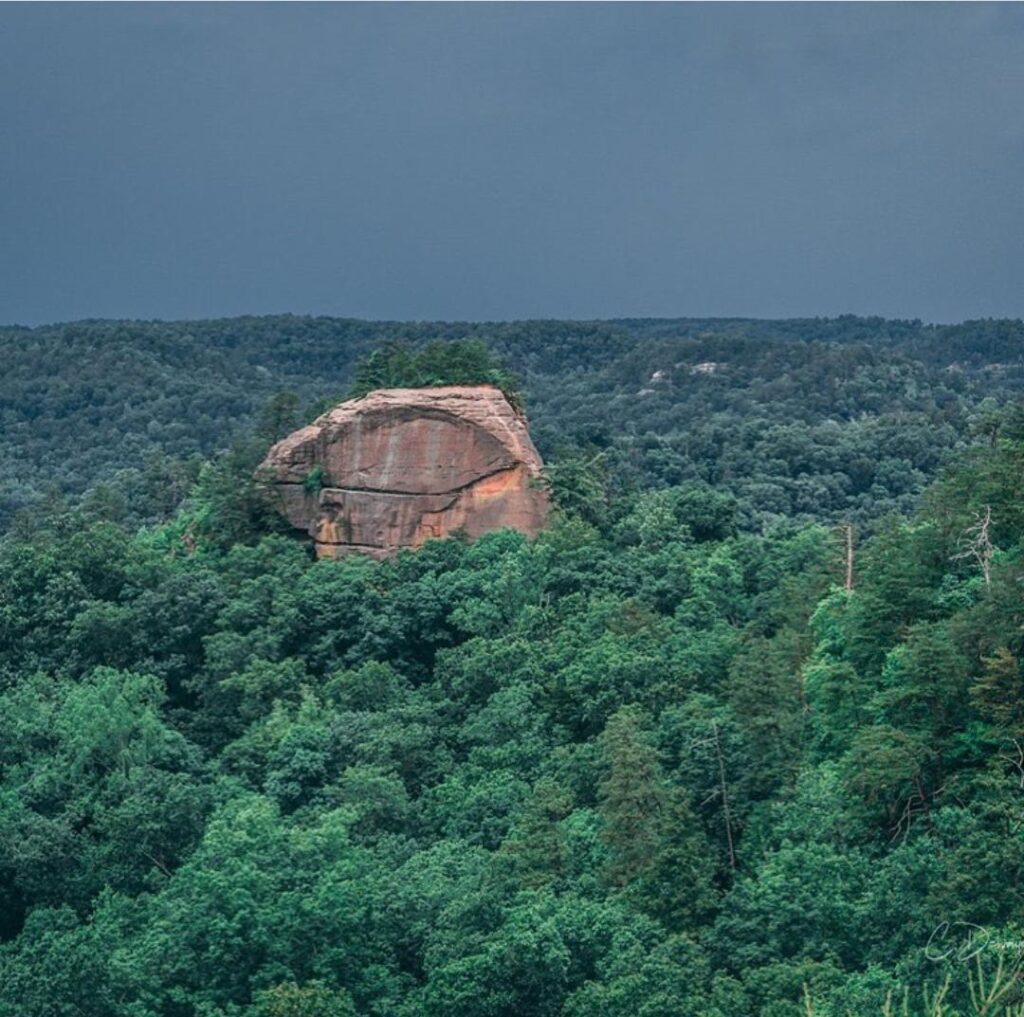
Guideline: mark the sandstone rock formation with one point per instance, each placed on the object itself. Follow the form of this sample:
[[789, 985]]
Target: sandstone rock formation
[[400, 465]]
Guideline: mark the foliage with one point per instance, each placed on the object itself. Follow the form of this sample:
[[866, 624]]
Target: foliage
[[828, 419], [658, 761], [468, 362]]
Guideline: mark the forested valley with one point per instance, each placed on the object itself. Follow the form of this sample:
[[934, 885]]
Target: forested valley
[[742, 733]]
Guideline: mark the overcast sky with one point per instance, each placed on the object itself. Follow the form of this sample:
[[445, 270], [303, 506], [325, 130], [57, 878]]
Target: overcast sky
[[486, 161]]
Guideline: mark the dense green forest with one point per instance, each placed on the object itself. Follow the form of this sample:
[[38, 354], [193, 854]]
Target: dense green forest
[[817, 419], [676, 756]]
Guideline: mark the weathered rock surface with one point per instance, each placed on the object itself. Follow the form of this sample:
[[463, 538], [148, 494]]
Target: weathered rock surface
[[401, 465]]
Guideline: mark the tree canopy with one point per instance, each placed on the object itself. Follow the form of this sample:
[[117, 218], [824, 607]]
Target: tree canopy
[[678, 755]]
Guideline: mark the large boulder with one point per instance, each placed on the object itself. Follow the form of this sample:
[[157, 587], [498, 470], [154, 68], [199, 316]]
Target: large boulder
[[400, 465]]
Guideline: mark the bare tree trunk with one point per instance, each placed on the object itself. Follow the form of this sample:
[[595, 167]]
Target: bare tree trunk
[[848, 528], [725, 797], [977, 544]]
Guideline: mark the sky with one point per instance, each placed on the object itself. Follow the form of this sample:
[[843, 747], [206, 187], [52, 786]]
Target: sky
[[500, 161]]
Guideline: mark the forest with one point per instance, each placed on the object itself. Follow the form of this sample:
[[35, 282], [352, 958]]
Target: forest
[[741, 734], [806, 419]]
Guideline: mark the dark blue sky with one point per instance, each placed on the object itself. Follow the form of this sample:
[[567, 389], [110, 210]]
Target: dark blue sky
[[510, 161]]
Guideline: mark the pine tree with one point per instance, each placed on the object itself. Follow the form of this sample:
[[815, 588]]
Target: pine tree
[[996, 695], [280, 416], [678, 888], [632, 797], [537, 848]]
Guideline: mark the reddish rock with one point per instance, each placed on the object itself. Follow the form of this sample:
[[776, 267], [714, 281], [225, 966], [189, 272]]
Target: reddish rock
[[400, 465]]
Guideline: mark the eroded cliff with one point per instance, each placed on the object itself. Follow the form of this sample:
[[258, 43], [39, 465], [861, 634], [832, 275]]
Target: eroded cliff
[[401, 465]]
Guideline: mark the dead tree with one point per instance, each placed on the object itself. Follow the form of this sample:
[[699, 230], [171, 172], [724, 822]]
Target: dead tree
[[722, 790], [725, 796], [977, 543], [848, 535]]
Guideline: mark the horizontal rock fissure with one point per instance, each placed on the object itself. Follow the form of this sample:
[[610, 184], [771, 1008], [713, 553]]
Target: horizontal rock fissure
[[348, 543], [401, 494]]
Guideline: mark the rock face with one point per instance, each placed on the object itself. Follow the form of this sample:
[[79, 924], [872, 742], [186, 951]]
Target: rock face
[[401, 465]]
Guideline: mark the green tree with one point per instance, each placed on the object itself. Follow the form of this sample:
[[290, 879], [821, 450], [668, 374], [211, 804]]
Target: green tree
[[632, 796], [280, 416], [537, 846]]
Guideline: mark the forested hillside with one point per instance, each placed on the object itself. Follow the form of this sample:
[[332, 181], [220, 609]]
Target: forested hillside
[[817, 418], [650, 767], [700, 748]]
